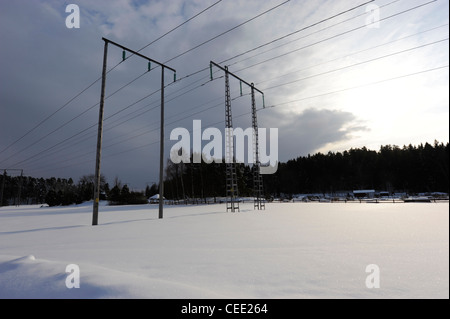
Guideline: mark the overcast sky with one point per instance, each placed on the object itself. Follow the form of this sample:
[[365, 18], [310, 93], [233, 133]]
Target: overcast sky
[[337, 83]]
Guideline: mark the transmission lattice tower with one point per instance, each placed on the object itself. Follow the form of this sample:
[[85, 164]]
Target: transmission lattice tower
[[231, 177], [257, 178], [230, 161]]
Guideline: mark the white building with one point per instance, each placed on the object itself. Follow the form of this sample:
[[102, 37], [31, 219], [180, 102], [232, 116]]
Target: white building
[[155, 199]]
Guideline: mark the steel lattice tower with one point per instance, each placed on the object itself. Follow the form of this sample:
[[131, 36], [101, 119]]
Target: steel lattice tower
[[257, 178], [230, 161], [231, 177]]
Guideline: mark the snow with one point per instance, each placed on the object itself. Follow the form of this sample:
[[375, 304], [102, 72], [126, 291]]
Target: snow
[[156, 196], [290, 250]]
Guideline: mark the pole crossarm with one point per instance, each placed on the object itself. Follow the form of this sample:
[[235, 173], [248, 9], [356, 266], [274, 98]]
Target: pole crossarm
[[233, 75], [100, 126], [231, 177], [138, 54]]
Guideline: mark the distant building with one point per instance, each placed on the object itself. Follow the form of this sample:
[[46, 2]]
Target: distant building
[[155, 199], [364, 193], [384, 194]]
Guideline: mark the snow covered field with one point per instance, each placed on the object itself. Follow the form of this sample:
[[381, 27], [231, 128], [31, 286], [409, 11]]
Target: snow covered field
[[290, 250]]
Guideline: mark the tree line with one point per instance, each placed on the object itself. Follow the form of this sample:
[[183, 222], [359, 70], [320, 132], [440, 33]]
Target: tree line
[[410, 169], [20, 190]]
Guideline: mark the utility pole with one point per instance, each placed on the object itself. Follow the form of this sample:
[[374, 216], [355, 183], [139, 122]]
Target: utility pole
[[100, 126], [99, 140], [161, 152], [231, 178]]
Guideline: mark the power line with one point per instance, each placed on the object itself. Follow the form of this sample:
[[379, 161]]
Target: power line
[[50, 116], [134, 148], [356, 64], [73, 119], [287, 35], [278, 105], [180, 25], [58, 110], [84, 112], [292, 101], [329, 18], [398, 52], [205, 42], [229, 30], [302, 37], [302, 29], [332, 37], [295, 32], [358, 86], [280, 38], [107, 118], [170, 123], [98, 79], [354, 53], [391, 16], [83, 131], [45, 152], [199, 86], [157, 141]]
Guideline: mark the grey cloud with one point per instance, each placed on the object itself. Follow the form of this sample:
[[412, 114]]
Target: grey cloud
[[304, 133]]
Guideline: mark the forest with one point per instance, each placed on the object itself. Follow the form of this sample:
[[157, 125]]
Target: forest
[[409, 169]]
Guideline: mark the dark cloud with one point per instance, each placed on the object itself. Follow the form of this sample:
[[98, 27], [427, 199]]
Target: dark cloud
[[306, 132]]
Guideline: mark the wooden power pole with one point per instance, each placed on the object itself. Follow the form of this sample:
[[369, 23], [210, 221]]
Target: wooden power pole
[[100, 128]]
